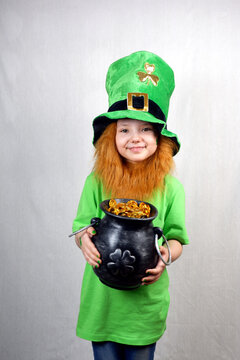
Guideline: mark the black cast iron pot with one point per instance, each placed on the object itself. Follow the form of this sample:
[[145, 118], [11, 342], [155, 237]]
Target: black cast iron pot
[[128, 247]]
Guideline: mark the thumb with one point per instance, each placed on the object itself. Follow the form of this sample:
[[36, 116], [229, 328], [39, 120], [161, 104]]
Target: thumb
[[91, 231], [163, 250]]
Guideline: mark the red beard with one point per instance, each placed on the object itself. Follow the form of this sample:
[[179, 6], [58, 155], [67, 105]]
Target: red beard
[[134, 181]]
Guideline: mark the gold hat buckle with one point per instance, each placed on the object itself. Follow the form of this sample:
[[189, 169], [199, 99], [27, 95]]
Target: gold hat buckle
[[130, 101]]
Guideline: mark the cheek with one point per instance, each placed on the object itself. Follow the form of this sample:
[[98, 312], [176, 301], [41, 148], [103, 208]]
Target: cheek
[[153, 145], [154, 148], [152, 140]]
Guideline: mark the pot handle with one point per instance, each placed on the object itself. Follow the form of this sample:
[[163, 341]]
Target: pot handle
[[94, 221], [158, 234]]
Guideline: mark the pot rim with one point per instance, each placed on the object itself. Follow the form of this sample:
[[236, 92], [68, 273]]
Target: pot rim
[[104, 205]]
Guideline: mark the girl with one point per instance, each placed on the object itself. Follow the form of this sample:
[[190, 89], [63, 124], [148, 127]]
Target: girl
[[133, 159]]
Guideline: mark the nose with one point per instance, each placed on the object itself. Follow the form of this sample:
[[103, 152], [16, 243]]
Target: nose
[[135, 138]]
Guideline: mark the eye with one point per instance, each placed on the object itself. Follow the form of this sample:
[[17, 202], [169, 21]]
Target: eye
[[124, 131], [145, 129]]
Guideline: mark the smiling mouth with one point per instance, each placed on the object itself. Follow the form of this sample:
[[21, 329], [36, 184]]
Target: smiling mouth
[[136, 148]]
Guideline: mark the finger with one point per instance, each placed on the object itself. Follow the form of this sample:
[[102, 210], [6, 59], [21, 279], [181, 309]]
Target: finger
[[160, 264], [150, 280], [160, 267], [146, 283], [87, 243], [92, 260], [163, 250], [94, 253], [90, 252], [91, 231], [153, 275], [152, 271], [93, 263]]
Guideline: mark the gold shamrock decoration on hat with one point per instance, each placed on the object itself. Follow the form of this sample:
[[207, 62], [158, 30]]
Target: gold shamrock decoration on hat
[[148, 75]]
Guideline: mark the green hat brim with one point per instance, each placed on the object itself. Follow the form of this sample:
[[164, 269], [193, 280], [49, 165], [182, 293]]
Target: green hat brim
[[102, 121]]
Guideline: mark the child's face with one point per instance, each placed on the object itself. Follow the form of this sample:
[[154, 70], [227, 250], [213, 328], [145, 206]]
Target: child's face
[[136, 140]]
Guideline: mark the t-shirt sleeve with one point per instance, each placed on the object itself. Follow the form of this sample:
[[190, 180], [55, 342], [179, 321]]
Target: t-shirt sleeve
[[174, 223], [87, 206]]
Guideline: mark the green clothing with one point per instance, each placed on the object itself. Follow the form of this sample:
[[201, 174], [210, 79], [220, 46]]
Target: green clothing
[[131, 317]]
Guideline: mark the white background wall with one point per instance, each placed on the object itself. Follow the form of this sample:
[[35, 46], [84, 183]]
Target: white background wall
[[54, 58]]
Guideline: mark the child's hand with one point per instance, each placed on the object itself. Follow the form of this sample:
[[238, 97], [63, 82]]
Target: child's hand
[[90, 252], [154, 274]]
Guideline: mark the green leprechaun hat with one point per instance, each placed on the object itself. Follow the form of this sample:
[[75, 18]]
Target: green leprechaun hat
[[139, 86]]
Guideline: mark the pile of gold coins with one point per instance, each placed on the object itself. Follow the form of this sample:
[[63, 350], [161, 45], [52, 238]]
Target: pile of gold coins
[[129, 209]]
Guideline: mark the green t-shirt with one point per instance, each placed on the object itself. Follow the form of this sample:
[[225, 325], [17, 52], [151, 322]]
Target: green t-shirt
[[132, 317]]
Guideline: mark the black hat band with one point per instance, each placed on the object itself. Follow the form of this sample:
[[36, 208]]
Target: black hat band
[[138, 104]]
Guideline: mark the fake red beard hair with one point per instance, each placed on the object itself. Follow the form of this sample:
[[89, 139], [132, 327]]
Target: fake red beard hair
[[134, 181]]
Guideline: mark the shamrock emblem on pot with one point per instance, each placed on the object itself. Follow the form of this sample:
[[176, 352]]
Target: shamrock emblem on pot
[[121, 263]]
